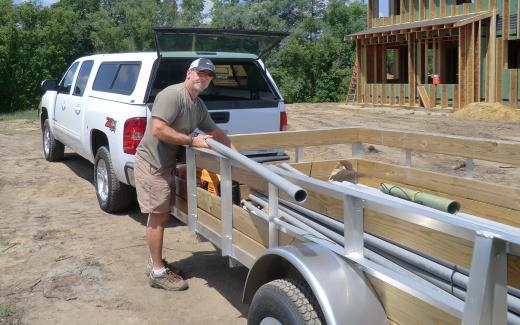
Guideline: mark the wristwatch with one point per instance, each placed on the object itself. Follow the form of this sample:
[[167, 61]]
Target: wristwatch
[[190, 142]]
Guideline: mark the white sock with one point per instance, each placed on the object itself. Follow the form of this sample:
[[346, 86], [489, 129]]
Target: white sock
[[159, 272]]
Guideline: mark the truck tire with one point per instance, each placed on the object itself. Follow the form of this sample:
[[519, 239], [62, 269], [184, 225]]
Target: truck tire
[[284, 301], [53, 150], [112, 195]]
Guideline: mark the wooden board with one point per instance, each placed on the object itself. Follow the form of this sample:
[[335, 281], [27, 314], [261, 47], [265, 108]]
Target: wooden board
[[444, 96], [501, 151], [402, 308], [513, 89], [292, 138], [425, 98], [482, 192], [485, 149]]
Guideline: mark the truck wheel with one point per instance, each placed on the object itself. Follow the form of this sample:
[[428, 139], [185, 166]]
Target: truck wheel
[[284, 301], [53, 150], [112, 195]]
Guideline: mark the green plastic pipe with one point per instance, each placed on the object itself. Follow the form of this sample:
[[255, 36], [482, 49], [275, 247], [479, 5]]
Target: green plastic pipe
[[429, 200]]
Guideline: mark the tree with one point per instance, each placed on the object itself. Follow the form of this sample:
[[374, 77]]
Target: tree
[[315, 63], [37, 42], [191, 14]]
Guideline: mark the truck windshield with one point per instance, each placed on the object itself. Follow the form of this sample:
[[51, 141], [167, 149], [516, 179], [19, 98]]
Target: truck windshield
[[235, 81]]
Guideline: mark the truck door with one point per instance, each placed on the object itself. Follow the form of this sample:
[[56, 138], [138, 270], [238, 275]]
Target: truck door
[[75, 116], [63, 106]]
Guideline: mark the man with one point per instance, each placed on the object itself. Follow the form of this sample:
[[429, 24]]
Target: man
[[177, 111]]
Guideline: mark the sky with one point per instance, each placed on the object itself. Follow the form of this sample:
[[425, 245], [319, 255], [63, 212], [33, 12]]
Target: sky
[[44, 2], [207, 6]]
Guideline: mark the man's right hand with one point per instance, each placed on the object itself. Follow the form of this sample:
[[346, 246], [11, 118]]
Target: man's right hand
[[200, 141]]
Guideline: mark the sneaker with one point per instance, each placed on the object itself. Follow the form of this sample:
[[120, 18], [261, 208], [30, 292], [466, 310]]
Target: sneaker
[[149, 268], [168, 281]]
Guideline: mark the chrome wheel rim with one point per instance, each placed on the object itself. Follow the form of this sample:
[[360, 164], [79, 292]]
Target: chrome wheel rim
[[270, 321], [46, 141], [102, 180]]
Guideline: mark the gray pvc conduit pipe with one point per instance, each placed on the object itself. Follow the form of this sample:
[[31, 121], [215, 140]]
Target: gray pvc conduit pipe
[[367, 252], [440, 271], [296, 192], [512, 301], [290, 168]]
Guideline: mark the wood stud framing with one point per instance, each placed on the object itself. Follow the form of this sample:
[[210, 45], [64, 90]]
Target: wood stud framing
[[482, 62]]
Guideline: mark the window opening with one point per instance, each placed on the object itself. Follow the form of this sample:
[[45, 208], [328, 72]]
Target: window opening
[[449, 62], [387, 8], [83, 75], [66, 81], [513, 58], [117, 77]]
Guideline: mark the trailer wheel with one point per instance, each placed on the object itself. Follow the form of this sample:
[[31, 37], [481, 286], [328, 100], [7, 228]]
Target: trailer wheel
[[53, 150], [284, 301], [112, 195]]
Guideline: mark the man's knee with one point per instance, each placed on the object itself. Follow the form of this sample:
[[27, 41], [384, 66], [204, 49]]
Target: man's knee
[[158, 218]]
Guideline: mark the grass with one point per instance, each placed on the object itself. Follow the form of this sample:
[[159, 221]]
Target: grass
[[6, 310], [20, 115]]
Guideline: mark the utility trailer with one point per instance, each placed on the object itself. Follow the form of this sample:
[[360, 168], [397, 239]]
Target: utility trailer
[[349, 254]]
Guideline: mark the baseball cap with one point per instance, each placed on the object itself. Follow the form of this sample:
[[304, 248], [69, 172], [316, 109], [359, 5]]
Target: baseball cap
[[203, 64]]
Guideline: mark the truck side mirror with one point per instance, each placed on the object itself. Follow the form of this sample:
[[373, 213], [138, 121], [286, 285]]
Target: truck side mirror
[[48, 84]]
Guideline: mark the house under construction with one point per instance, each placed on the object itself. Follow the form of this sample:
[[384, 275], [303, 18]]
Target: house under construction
[[444, 53]]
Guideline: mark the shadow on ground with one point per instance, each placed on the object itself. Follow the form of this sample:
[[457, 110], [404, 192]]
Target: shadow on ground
[[213, 268]]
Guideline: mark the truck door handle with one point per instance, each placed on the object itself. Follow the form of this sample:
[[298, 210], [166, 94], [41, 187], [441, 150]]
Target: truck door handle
[[62, 107], [77, 109], [220, 117]]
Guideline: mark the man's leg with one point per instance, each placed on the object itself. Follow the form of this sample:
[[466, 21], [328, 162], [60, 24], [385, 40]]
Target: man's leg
[[154, 236]]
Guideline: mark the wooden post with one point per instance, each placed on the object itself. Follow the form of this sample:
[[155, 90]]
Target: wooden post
[[383, 74], [462, 67], [500, 70], [411, 68], [359, 83], [471, 64], [505, 24], [491, 79], [443, 8], [369, 14], [478, 52]]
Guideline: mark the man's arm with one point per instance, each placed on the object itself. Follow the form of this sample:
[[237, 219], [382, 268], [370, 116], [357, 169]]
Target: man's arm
[[167, 134], [222, 137]]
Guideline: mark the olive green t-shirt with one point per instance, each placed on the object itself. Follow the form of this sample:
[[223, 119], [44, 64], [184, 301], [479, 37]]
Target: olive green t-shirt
[[175, 106]]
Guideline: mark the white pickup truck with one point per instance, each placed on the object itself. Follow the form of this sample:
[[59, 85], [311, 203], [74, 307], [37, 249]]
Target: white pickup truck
[[100, 107]]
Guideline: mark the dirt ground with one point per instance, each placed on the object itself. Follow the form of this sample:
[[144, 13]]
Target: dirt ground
[[63, 260]]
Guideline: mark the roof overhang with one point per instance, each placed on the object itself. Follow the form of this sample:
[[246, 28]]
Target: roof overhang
[[439, 23]]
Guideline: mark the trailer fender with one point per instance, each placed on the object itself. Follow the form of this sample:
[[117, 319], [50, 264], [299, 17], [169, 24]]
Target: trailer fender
[[341, 289]]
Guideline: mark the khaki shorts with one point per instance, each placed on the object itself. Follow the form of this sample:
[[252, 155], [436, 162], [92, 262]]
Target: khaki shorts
[[155, 187]]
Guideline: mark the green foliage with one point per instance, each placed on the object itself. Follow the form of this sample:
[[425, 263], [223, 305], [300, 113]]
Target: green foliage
[[315, 63], [31, 114], [37, 42], [6, 310]]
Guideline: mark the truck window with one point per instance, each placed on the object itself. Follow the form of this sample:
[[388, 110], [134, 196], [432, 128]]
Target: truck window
[[66, 81], [235, 81], [117, 77], [81, 80]]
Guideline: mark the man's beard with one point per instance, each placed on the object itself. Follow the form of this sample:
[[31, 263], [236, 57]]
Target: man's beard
[[198, 88]]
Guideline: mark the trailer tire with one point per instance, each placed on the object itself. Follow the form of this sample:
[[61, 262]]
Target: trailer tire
[[53, 150], [112, 195], [284, 301]]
